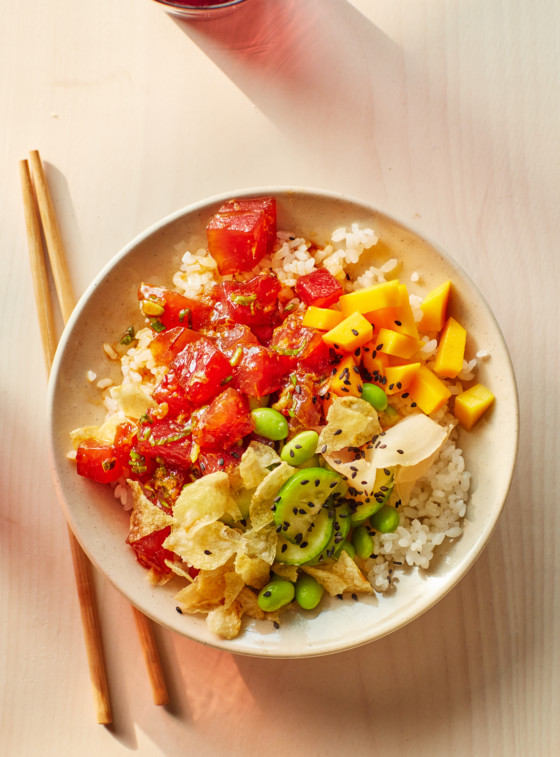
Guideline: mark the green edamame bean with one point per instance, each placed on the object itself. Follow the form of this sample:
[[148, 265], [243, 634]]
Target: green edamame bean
[[348, 547], [309, 592], [300, 448], [375, 396], [270, 423], [385, 520], [276, 594], [362, 542]]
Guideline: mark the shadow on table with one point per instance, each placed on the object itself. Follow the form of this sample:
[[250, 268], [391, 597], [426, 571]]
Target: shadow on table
[[311, 69]]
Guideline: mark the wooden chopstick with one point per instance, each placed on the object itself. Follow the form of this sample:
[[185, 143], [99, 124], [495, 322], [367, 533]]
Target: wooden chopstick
[[41, 222]]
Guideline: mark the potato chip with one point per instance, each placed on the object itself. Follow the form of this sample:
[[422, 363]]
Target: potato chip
[[145, 517], [225, 621], [205, 501], [255, 462], [351, 422], [133, 400], [207, 591], [289, 572], [104, 434], [260, 509], [233, 585], [260, 542], [254, 571], [342, 575], [205, 546]]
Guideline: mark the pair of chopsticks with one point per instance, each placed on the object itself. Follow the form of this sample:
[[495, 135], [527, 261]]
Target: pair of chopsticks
[[42, 227]]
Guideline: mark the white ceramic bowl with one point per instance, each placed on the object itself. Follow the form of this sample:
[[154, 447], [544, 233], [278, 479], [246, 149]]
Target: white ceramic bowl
[[110, 304]]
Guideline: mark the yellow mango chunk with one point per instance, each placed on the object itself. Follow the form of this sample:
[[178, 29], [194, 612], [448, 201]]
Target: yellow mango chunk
[[434, 308], [346, 381], [385, 295], [399, 318], [399, 377], [471, 404], [399, 345], [451, 349], [428, 391], [322, 319], [350, 333], [373, 361]]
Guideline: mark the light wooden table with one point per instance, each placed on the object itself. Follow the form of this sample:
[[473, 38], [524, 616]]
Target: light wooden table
[[444, 114]]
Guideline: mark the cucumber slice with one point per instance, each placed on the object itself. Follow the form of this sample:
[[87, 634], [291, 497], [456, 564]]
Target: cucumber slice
[[364, 509], [341, 528], [301, 499], [313, 541]]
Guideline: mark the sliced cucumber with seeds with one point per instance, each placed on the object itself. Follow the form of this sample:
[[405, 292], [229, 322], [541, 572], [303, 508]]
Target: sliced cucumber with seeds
[[384, 481], [340, 514], [301, 499], [312, 542]]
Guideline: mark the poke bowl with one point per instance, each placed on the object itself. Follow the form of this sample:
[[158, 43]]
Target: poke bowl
[[282, 423]]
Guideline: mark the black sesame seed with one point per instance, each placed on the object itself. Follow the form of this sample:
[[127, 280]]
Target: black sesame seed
[[355, 332], [398, 323], [303, 483], [355, 597], [276, 624], [267, 593], [207, 552], [405, 395], [324, 448], [337, 432], [400, 451], [284, 547], [413, 404], [317, 482], [179, 610]]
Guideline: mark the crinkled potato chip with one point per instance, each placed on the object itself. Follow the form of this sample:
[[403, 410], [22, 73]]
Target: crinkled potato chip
[[133, 400], [206, 546], [260, 509], [145, 517], [260, 542], [255, 462], [342, 575], [204, 501], [351, 422], [254, 571], [104, 434], [225, 621]]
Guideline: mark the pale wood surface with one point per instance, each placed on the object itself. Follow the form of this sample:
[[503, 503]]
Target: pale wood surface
[[446, 115]]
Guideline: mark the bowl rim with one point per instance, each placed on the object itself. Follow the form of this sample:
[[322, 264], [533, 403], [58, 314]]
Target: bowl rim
[[239, 647]]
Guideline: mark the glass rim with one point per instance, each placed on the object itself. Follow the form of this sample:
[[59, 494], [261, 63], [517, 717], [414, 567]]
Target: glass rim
[[204, 8]]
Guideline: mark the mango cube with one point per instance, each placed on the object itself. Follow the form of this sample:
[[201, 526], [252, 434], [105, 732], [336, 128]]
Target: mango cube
[[471, 404], [346, 381], [322, 319], [399, 377], [434, 308], [373, 361], [451, 350], [399, 318], [379, 296], [399, 345], [350, 333], [428, 391]]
